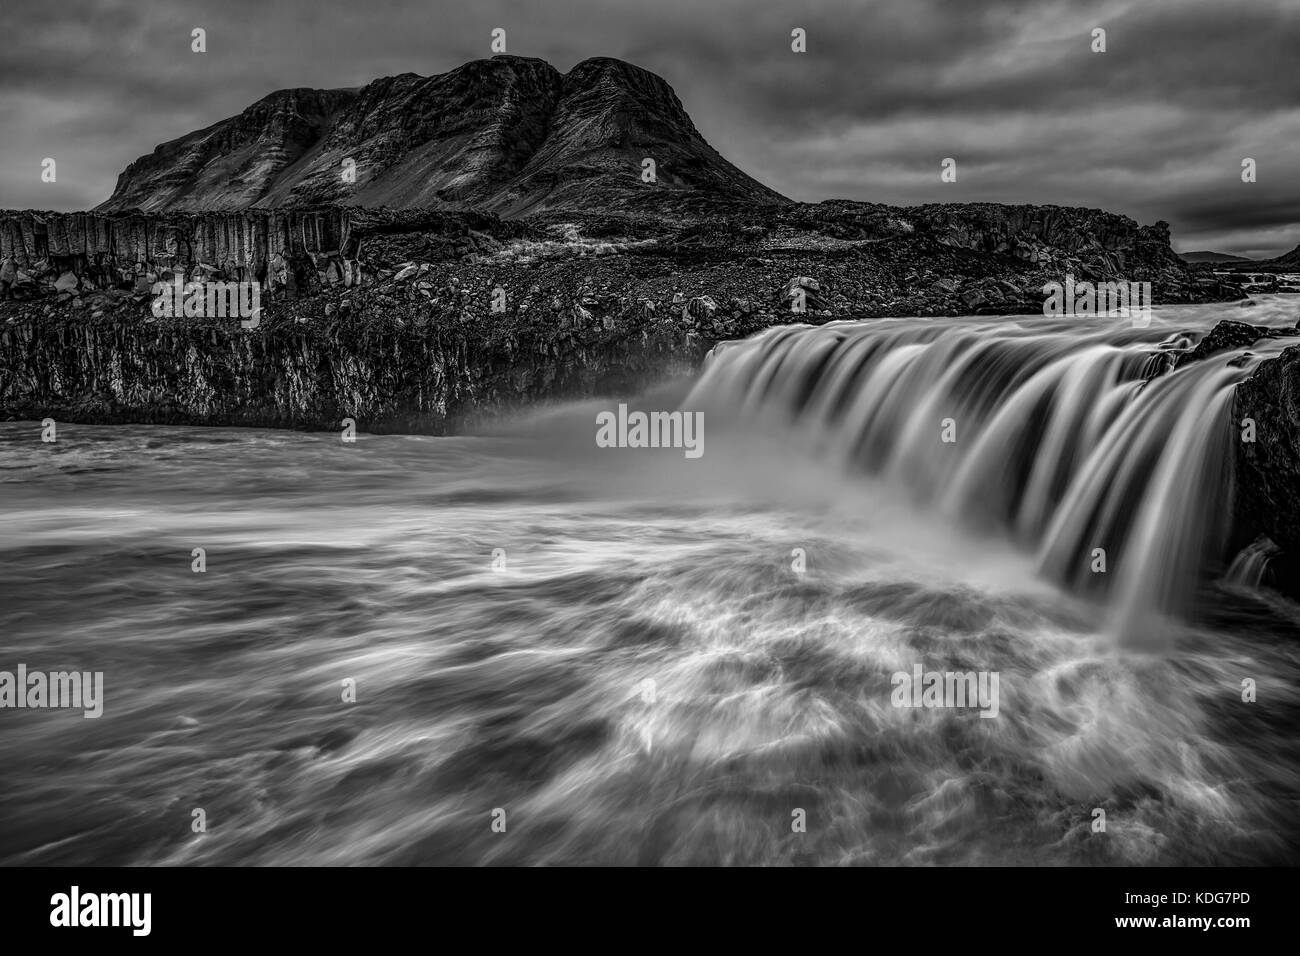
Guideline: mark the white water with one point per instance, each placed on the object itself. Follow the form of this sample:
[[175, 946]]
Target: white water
[[1059, 437], [1249, 566]]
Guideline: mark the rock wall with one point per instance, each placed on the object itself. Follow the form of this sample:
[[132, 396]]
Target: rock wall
[[107, 250], [387, 375], [1267, 499]]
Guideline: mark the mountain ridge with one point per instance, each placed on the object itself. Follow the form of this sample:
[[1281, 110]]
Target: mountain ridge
[[1206, 255], [1291, 258]]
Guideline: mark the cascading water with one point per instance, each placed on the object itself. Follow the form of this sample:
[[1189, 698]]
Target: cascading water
[[649, 658], [1070, 437], [1250, 565]]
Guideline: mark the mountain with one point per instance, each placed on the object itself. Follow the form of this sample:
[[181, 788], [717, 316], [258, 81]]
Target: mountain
[[510, 135], [1291, 258], [1211, 257]]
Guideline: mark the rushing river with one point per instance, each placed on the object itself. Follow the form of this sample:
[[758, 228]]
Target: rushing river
[[565, 654]]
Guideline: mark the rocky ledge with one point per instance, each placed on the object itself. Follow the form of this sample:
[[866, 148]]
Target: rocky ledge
[[875, 260], [428, 320]]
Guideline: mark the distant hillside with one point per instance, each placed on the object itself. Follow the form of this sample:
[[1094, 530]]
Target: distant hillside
[[1291, 258], [1211, 257]]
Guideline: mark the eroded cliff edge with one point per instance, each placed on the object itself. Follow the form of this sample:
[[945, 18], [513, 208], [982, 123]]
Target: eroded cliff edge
[[427, 319]]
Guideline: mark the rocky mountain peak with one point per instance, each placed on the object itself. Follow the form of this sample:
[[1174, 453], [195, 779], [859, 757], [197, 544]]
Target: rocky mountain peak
[[508, 134]]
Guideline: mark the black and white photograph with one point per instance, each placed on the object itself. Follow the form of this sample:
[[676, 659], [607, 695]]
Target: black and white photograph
[[651, 434]]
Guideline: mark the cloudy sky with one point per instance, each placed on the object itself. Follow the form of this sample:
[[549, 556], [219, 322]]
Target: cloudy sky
[[1156, 127]]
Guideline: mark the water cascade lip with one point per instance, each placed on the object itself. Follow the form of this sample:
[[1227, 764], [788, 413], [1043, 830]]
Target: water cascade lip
[[1078, 441]]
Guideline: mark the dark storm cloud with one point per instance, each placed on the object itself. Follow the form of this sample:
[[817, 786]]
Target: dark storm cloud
[[1155, 128]]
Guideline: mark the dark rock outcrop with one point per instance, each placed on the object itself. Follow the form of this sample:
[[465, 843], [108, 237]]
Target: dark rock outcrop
[[1228, 336], [381, 367], [1267, 499], [108, 249], [101, 251], [1033, 233]]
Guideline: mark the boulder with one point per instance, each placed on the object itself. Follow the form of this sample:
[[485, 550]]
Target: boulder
[[701, 307], [1228, 336]]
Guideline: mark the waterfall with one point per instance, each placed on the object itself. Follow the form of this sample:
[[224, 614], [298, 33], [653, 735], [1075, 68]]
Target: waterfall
[[1079, 442], [1248, 567]]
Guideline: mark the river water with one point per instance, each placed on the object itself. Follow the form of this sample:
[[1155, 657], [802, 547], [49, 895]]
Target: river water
[[565, 654]]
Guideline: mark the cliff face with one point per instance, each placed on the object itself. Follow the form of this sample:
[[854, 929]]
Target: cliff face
[[61, 256], [389, 376], [1268, 470], [509, 134]]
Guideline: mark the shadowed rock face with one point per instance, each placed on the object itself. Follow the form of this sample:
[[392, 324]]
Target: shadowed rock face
[[511, 135], [1267, 497], [611, 116], [104, 251]]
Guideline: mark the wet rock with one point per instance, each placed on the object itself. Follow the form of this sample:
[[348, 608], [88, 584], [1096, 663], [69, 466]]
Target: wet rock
[[1228, 336], [1267, 490]]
